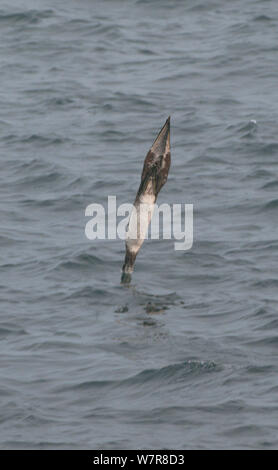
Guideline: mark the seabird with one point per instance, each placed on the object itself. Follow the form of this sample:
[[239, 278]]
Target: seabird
[[154, 176]]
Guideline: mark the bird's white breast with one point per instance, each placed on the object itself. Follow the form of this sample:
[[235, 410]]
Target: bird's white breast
[[139, 221]]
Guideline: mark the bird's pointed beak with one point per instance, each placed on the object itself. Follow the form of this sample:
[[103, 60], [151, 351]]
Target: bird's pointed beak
[[161, 144]]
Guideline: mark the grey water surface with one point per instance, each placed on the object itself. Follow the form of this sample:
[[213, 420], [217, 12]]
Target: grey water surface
[[186, 357]]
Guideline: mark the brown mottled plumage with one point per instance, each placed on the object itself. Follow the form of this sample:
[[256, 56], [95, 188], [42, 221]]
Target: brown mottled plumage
[[154, 176]]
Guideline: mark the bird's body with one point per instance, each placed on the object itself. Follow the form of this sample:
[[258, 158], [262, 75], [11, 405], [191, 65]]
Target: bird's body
[[154, 176]]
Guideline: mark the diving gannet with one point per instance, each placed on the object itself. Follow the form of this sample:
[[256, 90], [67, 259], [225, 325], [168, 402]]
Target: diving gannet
[[154, 176]]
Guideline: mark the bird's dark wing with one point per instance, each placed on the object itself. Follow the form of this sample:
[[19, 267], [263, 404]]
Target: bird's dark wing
[[148, 164], [162, 174]]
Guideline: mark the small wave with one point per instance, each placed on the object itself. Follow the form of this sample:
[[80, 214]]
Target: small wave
[[59, 102], [68, 346], [174, 373], [43, 140], [79, 21], [88, 292], [4, 124], [90, 384], [40, 180], [269, 325], [266, 283], [270, 148], [39, 203], [33, 444], [272, 205], [160, 3], [256, 369], [271, 185], [171, 374], [266, 245], [260, 149], [7, 241], [248, 130], [203, 6], [111, 136], [260, 312], [35, 139], [266, 341], [76, 183], [256, 174], [262, 18], [29, 166], [60, 204], [132, 99], [147, 52], [249, 430], [80, 262], [11, 330], [111, 31], [31, 16]]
